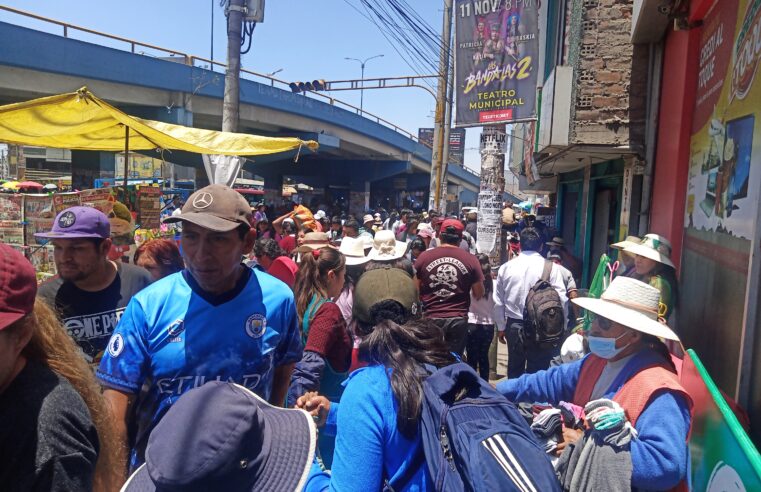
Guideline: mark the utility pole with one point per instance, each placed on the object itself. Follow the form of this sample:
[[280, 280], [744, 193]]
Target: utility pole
[[231, 104], [445, 139], [437, 173], [492, 147]]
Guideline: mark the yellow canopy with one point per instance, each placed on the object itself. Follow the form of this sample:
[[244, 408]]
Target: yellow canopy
[[79, 120]]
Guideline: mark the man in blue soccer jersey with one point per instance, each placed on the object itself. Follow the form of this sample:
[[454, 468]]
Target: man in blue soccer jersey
[[215, 320]]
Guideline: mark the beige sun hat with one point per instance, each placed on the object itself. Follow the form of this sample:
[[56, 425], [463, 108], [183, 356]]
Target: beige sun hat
[[353, 249], [653, 246], [314, 240], [629, 241], [386, 247], [631, 303]]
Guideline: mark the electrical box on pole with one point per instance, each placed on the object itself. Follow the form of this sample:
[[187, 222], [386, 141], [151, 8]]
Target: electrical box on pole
[[254, 11]]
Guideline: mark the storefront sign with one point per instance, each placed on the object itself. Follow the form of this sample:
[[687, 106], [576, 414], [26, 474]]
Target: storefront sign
[[496, 60]]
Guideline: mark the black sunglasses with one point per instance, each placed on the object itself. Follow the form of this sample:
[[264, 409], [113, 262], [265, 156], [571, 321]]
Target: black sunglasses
[[604, 323]]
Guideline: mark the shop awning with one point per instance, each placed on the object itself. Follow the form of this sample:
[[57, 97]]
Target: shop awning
[[80, 121]]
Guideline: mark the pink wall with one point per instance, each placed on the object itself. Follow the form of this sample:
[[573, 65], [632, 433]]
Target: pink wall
[[679, 82]]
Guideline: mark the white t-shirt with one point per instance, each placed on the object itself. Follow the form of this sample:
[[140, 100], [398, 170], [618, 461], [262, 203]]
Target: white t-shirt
[[481, 311]]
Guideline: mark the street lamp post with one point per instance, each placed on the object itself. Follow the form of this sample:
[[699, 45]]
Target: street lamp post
[[362, 64], [270, 74]]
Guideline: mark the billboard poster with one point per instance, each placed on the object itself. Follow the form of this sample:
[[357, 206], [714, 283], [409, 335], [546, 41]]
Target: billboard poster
[[723, 186], [456, 143], [496, 61]]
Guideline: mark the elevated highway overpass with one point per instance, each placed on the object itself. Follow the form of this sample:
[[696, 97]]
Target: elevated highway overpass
[[373, 161]]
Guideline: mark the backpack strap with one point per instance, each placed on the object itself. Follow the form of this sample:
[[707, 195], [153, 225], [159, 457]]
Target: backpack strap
[[547, 270], [314, 305]]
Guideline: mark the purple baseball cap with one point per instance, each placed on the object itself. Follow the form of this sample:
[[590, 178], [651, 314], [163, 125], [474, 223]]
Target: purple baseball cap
[[79, 222]]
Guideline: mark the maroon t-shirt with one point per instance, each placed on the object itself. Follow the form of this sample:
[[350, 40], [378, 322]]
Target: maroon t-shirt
[[446, 275]]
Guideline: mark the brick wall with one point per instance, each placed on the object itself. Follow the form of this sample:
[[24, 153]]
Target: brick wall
[[610, 75]]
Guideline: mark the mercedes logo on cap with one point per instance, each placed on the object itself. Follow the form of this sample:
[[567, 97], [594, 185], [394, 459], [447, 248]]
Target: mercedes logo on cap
[[203, 200]]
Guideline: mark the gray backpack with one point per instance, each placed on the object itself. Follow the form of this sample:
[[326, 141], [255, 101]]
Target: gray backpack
[[543, 317]]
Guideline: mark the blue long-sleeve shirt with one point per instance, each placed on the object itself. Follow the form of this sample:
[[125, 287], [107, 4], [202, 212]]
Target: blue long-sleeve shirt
[[660, 456], [369, 446]]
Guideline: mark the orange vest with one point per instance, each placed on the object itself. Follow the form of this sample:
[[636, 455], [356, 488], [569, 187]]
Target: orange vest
[[635, 394]]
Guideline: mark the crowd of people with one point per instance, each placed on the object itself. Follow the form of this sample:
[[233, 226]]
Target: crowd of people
[[303, 352]]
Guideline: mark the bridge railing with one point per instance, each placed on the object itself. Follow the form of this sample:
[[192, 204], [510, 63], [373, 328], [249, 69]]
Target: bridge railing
[[138, 48]]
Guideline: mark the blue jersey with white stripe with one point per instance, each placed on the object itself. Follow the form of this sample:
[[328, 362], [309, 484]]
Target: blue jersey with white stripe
[[173, 338]]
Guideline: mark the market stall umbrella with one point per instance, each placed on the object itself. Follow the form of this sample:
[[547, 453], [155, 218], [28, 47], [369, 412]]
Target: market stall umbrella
[[50, 187], [10, 185], [30, 184], [80, 121]]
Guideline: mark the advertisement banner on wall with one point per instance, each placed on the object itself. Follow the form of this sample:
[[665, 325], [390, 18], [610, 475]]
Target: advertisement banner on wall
[[723, 186], [496, 61]]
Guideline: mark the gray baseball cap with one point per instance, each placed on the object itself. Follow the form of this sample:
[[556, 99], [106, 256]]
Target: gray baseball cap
[[216, 207]]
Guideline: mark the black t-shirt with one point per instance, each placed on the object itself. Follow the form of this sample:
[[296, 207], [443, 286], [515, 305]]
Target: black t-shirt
[[47, 439], [90, 317], [446, 275]]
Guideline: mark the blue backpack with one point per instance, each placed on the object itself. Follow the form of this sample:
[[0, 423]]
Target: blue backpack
[[474, 439]]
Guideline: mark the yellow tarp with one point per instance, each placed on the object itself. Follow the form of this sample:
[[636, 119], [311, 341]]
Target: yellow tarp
[[81, 121]]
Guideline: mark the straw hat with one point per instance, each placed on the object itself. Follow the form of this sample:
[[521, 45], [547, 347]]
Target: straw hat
[[386, 247], [629, 241], [653, 246], [314, 240], [353, 250], [631, 303]]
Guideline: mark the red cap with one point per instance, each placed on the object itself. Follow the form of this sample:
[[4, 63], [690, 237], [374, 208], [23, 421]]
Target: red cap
[[284, 268], [18, 286], [455, 225]]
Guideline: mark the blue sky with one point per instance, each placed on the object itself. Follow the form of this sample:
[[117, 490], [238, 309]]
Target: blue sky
[[307, 39]]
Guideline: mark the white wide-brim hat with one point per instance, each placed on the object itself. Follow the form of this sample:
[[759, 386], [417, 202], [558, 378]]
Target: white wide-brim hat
[[654, 247], [629, 241], [353, 250], [386, 247], [631, 303]]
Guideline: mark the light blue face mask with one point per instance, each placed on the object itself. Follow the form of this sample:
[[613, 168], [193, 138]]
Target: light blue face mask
[[605, 347]]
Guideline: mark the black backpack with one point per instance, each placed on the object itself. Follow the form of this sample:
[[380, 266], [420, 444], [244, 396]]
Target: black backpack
[[543, 318]]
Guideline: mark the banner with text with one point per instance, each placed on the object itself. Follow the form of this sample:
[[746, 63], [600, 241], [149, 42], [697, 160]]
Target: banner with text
[[496, 60], [456, 143]]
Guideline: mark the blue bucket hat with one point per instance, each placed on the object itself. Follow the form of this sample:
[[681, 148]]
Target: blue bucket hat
[[222, 436]]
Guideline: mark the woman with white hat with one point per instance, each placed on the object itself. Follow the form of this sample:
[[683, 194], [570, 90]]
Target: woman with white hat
[[630, 371], [653, 265], [353, 249]]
